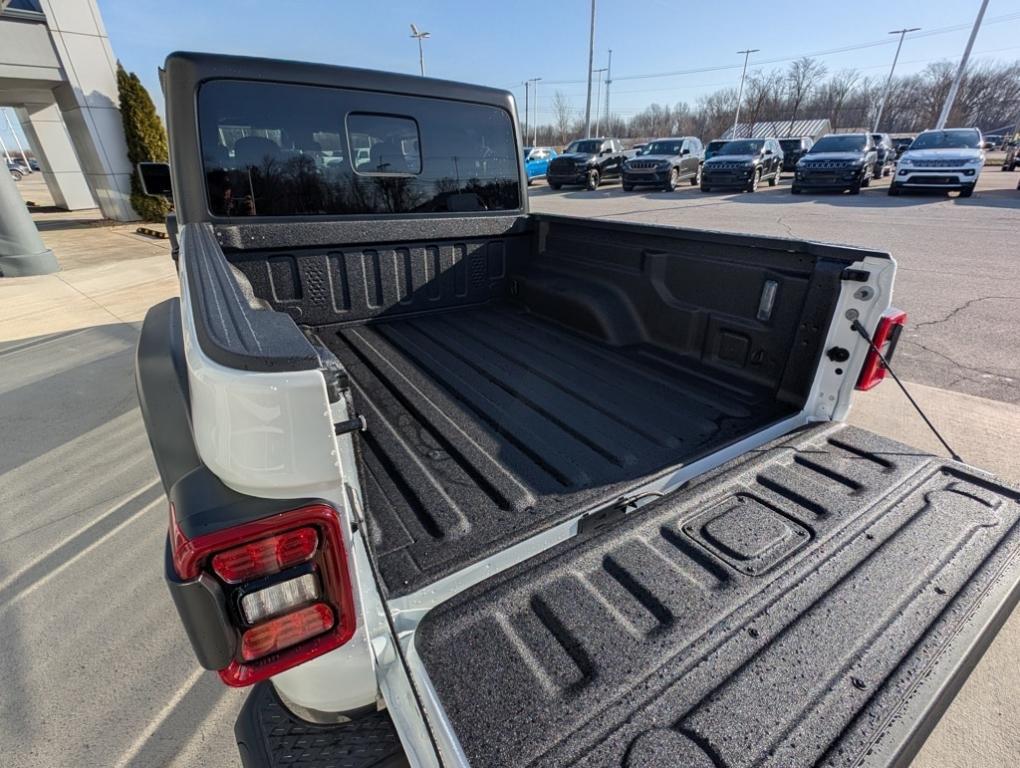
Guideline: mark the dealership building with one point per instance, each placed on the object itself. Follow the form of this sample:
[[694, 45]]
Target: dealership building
[[58, 72]]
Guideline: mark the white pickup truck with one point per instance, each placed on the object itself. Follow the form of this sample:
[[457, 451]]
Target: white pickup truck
[[455, 484]]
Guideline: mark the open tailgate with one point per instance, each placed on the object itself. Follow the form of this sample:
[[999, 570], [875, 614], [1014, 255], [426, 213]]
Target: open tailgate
[[818, 601]]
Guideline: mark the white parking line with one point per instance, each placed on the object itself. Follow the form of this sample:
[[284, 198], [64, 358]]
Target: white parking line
[[71, 561], [138, 744], [15, 574]]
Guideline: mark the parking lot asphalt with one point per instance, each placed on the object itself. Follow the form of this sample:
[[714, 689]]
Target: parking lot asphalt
[[95, 666], [958, 259]]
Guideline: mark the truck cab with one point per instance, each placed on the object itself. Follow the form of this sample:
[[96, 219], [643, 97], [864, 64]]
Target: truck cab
[[452, 483]]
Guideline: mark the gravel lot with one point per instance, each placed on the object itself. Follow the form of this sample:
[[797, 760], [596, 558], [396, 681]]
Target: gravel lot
[[96, 669]]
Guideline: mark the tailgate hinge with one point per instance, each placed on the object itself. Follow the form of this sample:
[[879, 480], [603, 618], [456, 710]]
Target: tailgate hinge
[[855, 275], [356, 424], [608, 516]]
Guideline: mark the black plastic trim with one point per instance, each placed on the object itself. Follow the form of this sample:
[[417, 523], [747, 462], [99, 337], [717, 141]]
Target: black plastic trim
[[269, 735], [231, 331], [203, 611]]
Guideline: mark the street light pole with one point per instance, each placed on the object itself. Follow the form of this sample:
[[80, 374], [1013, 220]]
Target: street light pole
[[948, 106], [419, 36], [527, 110], [591, 63], [598, 97], [534, 123], [888, 83], [609, 81], [740, 93]]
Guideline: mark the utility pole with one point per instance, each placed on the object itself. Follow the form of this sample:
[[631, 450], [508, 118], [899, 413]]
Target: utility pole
[[948, 106], [609, 81], [419, 36], [534, 123], [17, 140], [740, 93], [591, 63], [598, 97], [888, 83], [527, 110]]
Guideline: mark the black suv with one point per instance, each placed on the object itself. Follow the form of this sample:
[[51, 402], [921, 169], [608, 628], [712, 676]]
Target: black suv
[[794, 150], [838, 161], [885, 163], [665, 163], [586, 163], [743, 163]]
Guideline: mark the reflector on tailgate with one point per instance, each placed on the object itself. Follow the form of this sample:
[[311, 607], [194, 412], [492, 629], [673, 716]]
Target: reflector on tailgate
[[817, 602]]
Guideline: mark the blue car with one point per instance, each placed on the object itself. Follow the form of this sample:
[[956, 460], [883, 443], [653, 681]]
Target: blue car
[[536, 161]]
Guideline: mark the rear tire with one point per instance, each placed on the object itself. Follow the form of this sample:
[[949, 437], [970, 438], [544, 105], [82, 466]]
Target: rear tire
[[16, 175], [591, 183], [775, 177], [696, 178]]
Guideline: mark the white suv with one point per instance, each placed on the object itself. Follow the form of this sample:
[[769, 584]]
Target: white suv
[[946, 159]]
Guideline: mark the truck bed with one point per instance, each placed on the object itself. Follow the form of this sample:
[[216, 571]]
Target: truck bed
[[818, 602], [487, 425]]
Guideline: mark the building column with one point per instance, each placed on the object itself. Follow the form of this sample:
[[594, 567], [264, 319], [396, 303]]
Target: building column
[[88, 102], [58, 162]]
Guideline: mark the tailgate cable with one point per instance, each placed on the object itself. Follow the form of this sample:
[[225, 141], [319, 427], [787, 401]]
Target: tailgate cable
[[860, 330]]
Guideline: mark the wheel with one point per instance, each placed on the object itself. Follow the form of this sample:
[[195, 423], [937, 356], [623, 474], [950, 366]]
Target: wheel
[[696, 178], [627, 187], [894, 189], [887, 171], [16, 174], [967, 191], [856, 188], [673, 180], [775, 177], [705, 187], [752, 185], [795, 189], [865, 181], [555, 185], [592, 182]]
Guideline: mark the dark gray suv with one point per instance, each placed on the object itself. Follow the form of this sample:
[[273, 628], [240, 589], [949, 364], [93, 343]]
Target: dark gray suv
[[665, 163]]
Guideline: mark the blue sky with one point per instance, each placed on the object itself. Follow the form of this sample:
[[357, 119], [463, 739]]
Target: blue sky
[[503, 44]]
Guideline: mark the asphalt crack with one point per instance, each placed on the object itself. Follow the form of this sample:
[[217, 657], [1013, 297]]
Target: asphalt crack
[[961, 308]]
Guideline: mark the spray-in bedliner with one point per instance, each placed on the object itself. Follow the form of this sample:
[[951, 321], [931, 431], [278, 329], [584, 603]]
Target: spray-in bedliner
[[815, 603], [486, 426]]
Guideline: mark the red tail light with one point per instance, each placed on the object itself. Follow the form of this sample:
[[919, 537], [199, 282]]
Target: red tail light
[[265, 556], [885, 338], [287, 587]]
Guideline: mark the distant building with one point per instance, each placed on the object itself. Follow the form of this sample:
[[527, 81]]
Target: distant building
[[813, 128], [59, 73]]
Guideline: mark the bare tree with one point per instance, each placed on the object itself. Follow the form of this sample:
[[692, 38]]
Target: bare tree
[[762, 97], [561, 114], [802, 78], [834, 95]]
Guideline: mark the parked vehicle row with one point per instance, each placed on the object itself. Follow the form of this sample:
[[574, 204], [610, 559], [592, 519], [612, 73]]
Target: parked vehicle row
[[949, 159]]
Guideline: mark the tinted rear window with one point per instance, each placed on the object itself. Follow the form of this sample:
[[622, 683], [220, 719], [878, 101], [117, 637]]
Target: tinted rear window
[[271, 149]]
